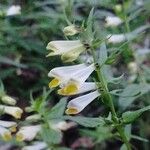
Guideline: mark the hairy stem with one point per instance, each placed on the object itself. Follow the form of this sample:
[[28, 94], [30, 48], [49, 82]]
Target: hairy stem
[[107, 97]]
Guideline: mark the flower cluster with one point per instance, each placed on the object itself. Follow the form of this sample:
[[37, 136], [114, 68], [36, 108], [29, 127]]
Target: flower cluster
[[72, 79], [31, 133], [8, 127]]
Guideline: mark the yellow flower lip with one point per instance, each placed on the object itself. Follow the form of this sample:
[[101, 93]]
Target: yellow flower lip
[[54, 83], [18, 114], [7, 136], [19, 137], [71, 111], [13, 129], [68, 90]]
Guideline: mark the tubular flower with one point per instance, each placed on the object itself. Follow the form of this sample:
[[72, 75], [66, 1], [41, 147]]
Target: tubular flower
[[16, 112], [61, 125], [34, 117], [78, 104], [70, 30], [63, 74], [28, 133], [113, 21], [13, 10], [86, 87], [11, 125], [116, 38], [8, 100], [5, 134], [69, 50], [36, 146], [73, 85]]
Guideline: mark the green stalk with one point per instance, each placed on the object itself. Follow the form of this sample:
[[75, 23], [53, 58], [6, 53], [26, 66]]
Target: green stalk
[[107, 97]]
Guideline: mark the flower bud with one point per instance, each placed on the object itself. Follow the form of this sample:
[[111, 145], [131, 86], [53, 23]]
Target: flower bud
[[133, 68], [35, 117], [70, 30], [118, 8], [8, 100], [113, 21]]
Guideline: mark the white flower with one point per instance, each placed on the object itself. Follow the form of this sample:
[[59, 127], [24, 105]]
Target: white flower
[[78, 104], [116, 38], [75, 82], [13, 10], [69, 50], [133, 67], [11, 110], [8, 100], [28, 133], [35, 117], [36, 146], [61, 125], [11, 125], [87, 86], [5, 134], [70, 30], [113, 21], [61, 74]]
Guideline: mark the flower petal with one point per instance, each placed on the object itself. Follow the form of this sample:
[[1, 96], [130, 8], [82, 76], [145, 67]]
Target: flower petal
[[5, 134], [72, 55], [60, 47], [87, 86], [11, 110], [62, 74], [78, 104], [77, 80], [28, 133]]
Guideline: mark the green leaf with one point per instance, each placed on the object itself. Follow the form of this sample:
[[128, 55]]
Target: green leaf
[[102, 54], [86, 121], [88, 35], [131, 93], [51, 136], [100, 134], [90, 21], [58, 110], [123, 147], [8, 61], [128, 131], [139, 138], [131, 116]]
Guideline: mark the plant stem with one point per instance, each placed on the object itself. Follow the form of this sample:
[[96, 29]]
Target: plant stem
[[107, 97]]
